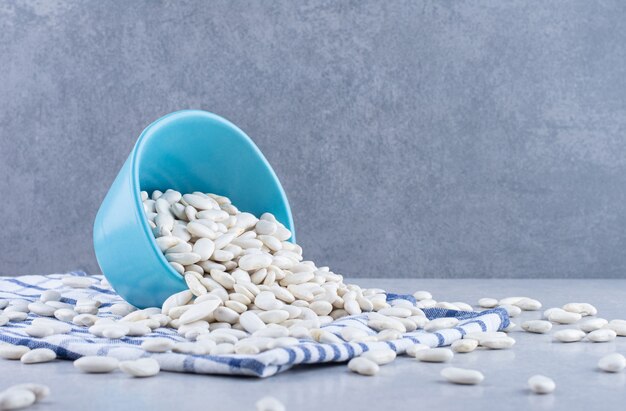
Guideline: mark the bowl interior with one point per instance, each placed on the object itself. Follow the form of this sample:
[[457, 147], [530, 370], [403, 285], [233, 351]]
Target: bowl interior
[[194, 150]]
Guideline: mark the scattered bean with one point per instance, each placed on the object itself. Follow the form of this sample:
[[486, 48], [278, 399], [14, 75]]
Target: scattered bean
[[498, 343], [593, 324], [434, 355], [583, 309], [602, 335], [487, 303], [540, 384], [464, 345], [13, 352], [96, 364], [363, 366], [412, 350], [41, 391], [38, 355], [612, 363], [380, 357], [558, 315], [441, 323], [16, 398], [269, 403], [143, 367], [157, 345], [77, 282], [462, 376], [569, 335], [537, 326]]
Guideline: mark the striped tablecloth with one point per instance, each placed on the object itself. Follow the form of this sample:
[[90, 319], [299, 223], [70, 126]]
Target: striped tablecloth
[[79, 342]]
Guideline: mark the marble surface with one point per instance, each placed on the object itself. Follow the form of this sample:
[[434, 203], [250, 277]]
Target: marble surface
[[404, 384]]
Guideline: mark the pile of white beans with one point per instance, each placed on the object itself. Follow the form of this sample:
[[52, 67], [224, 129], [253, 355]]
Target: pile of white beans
[[250, 291]]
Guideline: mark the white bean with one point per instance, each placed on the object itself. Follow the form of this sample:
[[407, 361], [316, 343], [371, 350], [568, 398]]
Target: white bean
[[462, 376], [612, 363], [166, 242], [143, 367], [200, 202], [528, 304], [86, 320], [487, 302], [412, 350], [363, 366], [537, 326], [464, 345], [251, 322], [199, 311], [266, 300], [223, 349], [435, 355], [42, 309], [353, 334], [405, 312], [114, 331], [12, 352], [540, 384], [381, 356], [204, 247], [269, 403], [41, 391], [561, 316], [569, 335], [509, 300], [13, 399], [592, 324], [498, 343], [253, 262], [274, 316], [38, 355], [441, 323], [96, 364], [15, 315], [583, 309], [602, 335], [39, 331], [195, 286], [183, 258], [422, 295], [77, 282], [619, 326], [50, 295], [176, 300]]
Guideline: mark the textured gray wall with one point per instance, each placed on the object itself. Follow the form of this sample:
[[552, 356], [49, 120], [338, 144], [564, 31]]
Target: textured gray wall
[[448, 139]]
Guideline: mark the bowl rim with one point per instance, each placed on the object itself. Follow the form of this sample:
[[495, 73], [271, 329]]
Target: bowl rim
[[138, 149]]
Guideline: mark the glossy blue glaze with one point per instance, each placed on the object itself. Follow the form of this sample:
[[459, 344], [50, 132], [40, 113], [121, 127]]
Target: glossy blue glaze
[[188, 151]]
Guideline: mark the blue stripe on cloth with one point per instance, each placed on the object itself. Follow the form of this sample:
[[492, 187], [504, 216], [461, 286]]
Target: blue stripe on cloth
[[322, 353], [25, 285], [350, 350], [292, 354], [79, 342]]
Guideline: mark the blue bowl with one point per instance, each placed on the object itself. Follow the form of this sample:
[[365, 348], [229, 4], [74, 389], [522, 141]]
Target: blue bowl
[[188, 151]]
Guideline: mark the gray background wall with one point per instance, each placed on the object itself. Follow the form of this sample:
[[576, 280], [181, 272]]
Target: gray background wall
[[448, 139]]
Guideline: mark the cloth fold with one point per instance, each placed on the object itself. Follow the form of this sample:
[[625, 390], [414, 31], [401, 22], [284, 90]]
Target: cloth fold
[[79, 342]]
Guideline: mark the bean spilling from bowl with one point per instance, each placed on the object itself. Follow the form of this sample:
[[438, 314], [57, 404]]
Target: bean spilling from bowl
[[250, 290]]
